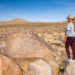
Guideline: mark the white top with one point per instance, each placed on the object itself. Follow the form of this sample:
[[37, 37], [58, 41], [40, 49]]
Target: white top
[[70, 30]]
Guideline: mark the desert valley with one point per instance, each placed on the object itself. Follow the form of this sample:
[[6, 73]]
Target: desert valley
[[33, 48]]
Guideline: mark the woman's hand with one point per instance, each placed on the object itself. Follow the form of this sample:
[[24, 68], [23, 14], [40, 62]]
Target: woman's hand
[[65, 38]]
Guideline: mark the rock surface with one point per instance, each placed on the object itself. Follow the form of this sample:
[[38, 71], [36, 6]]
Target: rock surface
[[40, 67], [8, 67], [32, 53], [27, 44], [55, 67], [70, 69]]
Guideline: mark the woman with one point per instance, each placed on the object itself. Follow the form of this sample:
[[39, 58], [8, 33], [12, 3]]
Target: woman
[[70, 37]]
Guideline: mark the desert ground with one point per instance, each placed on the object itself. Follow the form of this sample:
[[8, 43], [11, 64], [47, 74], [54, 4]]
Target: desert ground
[[44, 64]]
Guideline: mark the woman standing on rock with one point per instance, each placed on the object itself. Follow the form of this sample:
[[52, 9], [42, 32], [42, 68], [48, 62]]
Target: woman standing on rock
[[70, 38]]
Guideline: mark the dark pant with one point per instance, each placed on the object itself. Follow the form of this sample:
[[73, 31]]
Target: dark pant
[[67, 45]]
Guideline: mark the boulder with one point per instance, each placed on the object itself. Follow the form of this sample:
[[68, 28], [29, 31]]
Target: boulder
[[8, 67], [27, 44], [40, 67], [70, 69]]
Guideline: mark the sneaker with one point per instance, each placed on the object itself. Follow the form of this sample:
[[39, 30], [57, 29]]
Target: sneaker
[[73, 61], [69, 60]]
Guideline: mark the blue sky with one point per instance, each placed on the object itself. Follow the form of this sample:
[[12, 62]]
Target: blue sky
[[36, 10]]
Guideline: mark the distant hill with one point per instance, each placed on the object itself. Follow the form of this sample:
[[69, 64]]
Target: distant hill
[[14, 21], [22, 21], [18, 20]]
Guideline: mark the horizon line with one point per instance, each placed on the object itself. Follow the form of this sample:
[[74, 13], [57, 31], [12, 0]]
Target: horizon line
[[31, 21]]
